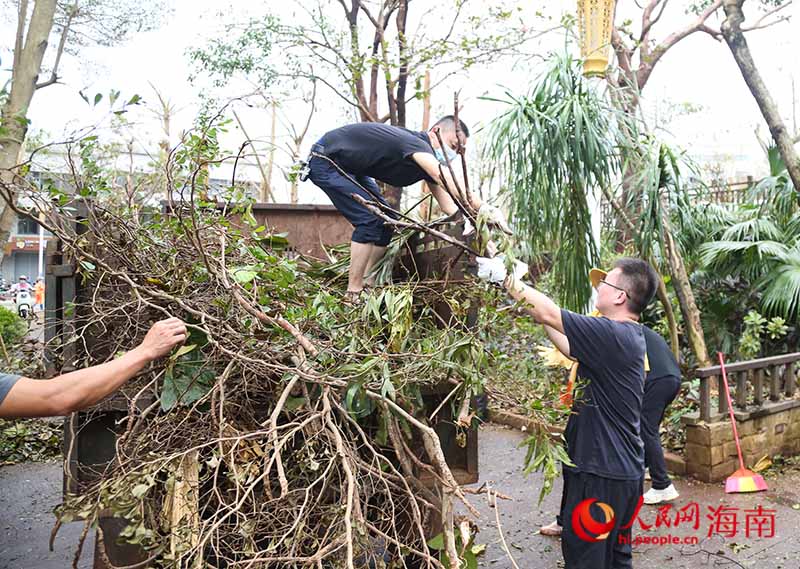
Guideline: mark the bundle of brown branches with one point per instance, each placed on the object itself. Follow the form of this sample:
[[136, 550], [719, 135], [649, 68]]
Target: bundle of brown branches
[[289, 430]]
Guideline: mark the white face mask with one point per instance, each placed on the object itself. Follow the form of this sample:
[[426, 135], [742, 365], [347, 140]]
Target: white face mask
[[448, 152]]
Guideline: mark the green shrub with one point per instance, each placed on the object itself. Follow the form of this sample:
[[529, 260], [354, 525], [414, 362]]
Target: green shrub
[[12, 327]]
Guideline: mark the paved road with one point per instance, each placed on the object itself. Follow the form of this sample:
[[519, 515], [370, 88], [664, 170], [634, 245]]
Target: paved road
[[29, 492], [501, 461]]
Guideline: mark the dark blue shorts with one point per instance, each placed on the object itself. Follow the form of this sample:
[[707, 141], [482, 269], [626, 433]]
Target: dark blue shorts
[[368, 227]]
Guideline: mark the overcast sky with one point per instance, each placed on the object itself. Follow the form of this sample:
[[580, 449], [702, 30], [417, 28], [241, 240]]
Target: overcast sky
[[699, 72]]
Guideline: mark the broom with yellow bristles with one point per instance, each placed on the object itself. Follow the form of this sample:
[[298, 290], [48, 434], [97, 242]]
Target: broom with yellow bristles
[[742, 480]]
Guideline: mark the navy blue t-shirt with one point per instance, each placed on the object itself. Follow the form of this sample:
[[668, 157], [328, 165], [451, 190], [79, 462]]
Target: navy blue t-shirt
[[660, 357], [379, 151], [602, 433]]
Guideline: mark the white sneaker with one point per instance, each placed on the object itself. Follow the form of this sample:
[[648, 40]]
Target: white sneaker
[[654, 496]]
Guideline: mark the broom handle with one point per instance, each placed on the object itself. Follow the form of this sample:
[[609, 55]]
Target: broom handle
[[730, 408]]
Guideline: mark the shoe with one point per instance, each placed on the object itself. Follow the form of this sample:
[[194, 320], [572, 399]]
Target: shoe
[[551, 529], [654, 496]]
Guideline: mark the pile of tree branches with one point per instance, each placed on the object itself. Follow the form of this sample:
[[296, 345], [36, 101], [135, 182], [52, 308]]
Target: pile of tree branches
[[291, 430]]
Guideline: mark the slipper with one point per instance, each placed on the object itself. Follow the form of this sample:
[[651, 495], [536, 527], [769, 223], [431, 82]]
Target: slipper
[[353, 297], [551, 530]]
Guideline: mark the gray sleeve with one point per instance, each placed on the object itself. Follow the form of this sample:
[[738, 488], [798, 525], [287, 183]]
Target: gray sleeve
[[7, 381]]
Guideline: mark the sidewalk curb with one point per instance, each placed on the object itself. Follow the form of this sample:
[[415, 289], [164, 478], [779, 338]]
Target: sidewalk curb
[[675, 463], [519, 422]]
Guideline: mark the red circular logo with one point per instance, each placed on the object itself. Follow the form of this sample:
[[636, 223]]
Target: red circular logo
[[584, 524]]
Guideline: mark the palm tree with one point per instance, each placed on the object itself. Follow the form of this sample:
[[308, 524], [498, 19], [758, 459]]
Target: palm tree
[[665, 207], [556, 144], [761, 244], [564, 140]]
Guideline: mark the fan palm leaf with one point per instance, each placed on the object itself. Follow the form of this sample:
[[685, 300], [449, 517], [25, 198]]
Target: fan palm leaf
[[782, 286]]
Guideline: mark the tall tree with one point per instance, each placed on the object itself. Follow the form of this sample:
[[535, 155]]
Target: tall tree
[[638, 52], [69, 26], [733, 32], [364, 53]]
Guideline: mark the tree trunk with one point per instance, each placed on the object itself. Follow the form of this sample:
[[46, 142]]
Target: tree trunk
[[427, 206], [402, 79], [627, 100], [734, 37], [13, 117], [626, 223], [683, 289], [266, 191], [672, 323]]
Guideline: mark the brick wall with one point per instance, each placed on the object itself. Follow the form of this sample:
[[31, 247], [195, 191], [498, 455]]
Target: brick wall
[[711, 451]]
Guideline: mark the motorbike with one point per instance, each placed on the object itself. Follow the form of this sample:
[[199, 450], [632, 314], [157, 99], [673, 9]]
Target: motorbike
[[24, 303]]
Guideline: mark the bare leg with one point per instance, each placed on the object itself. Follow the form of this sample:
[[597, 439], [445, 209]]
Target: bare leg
[[375, 256], [359, 261]]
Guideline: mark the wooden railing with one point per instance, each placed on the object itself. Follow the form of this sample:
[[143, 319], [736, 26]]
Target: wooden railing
[[752, 383]]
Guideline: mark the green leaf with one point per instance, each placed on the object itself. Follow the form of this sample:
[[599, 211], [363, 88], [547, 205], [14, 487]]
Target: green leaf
[[184, 350], [357, 402], [436, 542], [98, 98], [277, 241], [387, 388], [244, 275], [471, 559], [186, 380]]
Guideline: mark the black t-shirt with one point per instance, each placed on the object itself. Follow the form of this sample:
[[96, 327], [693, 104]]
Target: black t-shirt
[[7, 381], [659, 356], [379, 151], [602, 433]]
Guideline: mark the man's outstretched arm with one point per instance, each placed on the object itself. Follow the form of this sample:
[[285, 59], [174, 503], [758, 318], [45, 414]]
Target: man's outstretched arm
[[83, 388], [430, 165], [559, 340], [540, 306]]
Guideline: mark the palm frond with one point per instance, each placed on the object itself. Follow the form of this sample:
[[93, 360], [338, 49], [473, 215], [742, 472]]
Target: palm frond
[[751, 229], [556, 144], [782, 287], [750, 259]]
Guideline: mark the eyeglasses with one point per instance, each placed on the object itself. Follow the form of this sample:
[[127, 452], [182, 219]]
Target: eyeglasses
[[613, 286]]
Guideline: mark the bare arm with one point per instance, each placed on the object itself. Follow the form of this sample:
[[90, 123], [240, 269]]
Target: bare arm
[[430, 165], [83, 388], [540, 306], [560, 341]]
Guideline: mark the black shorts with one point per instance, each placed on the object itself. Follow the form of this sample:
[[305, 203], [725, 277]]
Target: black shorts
[[368, 228]]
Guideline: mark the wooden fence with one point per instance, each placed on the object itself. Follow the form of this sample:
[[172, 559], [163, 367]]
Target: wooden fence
[[753, 383], [732, 194]]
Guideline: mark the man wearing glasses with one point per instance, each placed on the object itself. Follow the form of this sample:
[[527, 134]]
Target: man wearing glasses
[[603, 431]]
